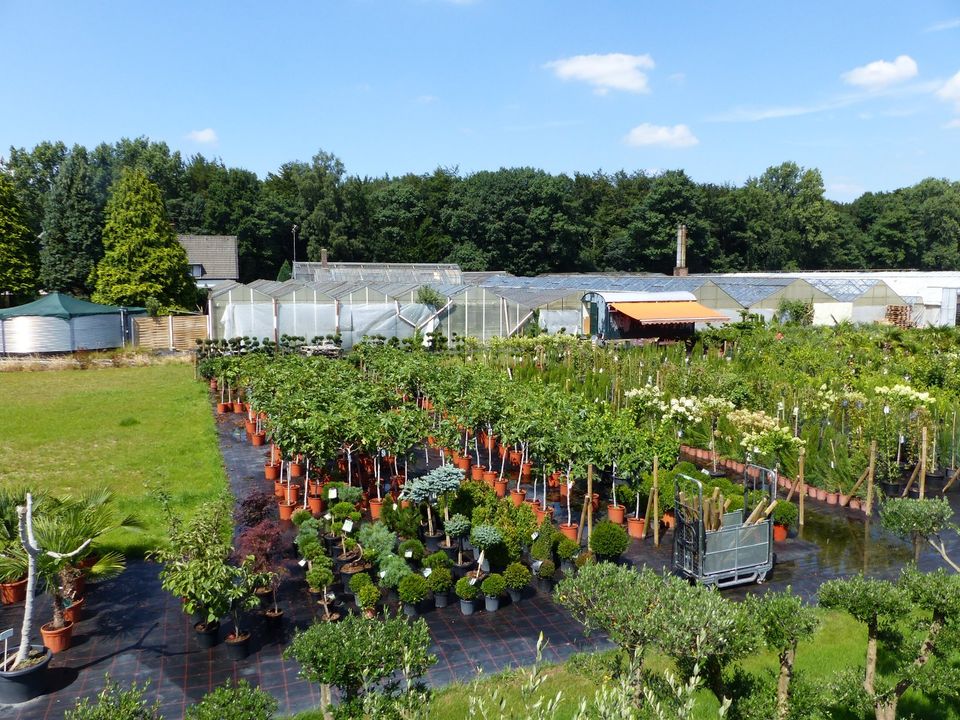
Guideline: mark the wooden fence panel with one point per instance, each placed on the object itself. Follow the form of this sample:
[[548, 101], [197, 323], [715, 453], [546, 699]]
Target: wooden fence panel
[[171, 332]]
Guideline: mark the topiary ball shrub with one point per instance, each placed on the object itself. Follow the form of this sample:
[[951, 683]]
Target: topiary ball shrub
[[359, 581], [411, 550], [458, 526], [412, 589], [494, 585], [300, 516], [368, 597], [517, 576], [609, 540], [546, 570], [485, 537], [466, 591], [240, 701], [567, 548], [440, 580], [438, 559]]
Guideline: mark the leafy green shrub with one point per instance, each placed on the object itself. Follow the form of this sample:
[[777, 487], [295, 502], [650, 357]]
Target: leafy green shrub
[[319, 577], [113, 703], [546, 570], [414, 547], [240, 701], [299, 516], [405, 522], [393, 569], [466, 591], [786, 513], [438, 559], [542, 547], [517, 576], [608, 540], [412, 589], [440, 580], [358, 581], [586, 557], [567, 548], [368, 597], [494, 585]]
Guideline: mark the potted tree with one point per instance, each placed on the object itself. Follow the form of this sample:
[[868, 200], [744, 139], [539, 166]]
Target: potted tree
[[467, 590], [493, 587], [785, 515], [457, 528], [412, 590], [426, 490], [609, 540], [439, 581], [545, 572], [241, 593], [320, 578], [367, 598], [358, 581], [517, 577]]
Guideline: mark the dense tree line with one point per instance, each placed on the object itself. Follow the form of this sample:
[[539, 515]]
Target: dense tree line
[[522, 220]]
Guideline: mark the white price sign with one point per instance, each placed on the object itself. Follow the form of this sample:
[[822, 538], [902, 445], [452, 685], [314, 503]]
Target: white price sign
[[408, 554], [347, 525], [332, 494], [427, 572]]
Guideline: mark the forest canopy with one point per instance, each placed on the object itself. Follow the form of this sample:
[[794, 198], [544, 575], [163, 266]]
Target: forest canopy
[[522, 220]]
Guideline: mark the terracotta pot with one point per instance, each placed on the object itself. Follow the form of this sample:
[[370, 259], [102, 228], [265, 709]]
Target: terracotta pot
[[821, 494], [275, 455], [490, 477], [286, 510], [635, 527], [296, 469], [271, 472], [476, 472], [375, 507], [503, 451], [294, 494], [811, 491], [74, 612], [526, 469], [250, 426], [541, 513], [517, 496], [669, 519], [779, 532], [213, 383], [832, 498], [258, 439], [500, 488], [405, 504], [57, 640], [315, 502], [13, 592], [616, 513], [238, 407], [563, 490], [595, 501], [279, 488], [569, 530], [844, 499], [855, 504], [224, 408], [515, 457]]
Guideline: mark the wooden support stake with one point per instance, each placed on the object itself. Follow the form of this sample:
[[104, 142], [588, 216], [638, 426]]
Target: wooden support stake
[[803, 486], [646, 516], [951, 481], [856, 485], [756, 513], [656, 501], [923, 461], [589, 501], [913, 477], [871, 468], [583, 514]]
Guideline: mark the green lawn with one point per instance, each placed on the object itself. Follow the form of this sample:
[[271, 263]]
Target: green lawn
[[130, 429]]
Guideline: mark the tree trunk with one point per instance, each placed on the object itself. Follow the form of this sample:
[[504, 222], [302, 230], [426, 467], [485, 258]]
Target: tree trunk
[[326, 701], [783, 682], [886, 710], [870, 672], [58, 619]]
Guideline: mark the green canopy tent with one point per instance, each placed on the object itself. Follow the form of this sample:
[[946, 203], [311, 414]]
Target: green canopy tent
[[61, 323]]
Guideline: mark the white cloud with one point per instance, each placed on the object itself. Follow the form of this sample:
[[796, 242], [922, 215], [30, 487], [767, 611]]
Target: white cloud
[[880, 73], [953, 124], [207, 136], [427, 99], [951, 24], [614, 71], [676, 136], [950, 90]]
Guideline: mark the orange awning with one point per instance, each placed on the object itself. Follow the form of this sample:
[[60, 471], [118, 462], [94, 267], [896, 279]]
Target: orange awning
[[663, 313]]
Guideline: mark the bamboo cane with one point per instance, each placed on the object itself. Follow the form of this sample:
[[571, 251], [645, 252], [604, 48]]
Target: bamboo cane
[[952, 480], [923, 461], [913, 477], [856, 485], [656, 501], [803, 485], [872, 468]]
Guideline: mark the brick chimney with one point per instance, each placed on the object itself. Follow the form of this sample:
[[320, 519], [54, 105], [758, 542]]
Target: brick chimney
[[680, 270], [323, 257]]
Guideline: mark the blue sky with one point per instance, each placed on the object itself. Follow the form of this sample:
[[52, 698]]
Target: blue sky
[[867, 92]]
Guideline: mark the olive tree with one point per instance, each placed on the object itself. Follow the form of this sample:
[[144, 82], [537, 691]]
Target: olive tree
[[920, 520]]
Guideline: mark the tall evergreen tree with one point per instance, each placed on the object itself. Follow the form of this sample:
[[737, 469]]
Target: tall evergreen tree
[[142, 258], [17, 280], [70, 245]]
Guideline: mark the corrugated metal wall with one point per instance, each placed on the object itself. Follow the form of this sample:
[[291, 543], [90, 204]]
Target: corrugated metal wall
[[29, 335]]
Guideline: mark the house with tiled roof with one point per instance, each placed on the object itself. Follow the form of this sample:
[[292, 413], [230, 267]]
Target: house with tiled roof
[[212, 258]]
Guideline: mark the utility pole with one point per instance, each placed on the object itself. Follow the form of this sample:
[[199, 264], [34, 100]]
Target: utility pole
[[294, 244]]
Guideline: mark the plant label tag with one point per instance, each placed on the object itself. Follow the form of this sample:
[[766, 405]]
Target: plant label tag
[[6, 634], [534, 536], [302, 563], [333, 494], [383, 573], [537, 564], [473, 581], [395, 506], [347, 525], [832, 466], [408, 554], [427, 572], [328, 517], [902, 439], [485, 566]]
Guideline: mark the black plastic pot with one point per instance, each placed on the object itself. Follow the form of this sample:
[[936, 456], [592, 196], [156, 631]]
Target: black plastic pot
[[22, 685], [891, 489], [432, 542], [545, 585], [274, 622], [238, 649], [207, 635], [410, 610]]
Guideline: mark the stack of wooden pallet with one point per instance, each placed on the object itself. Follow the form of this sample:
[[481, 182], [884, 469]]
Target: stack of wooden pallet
[[899, 315]]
